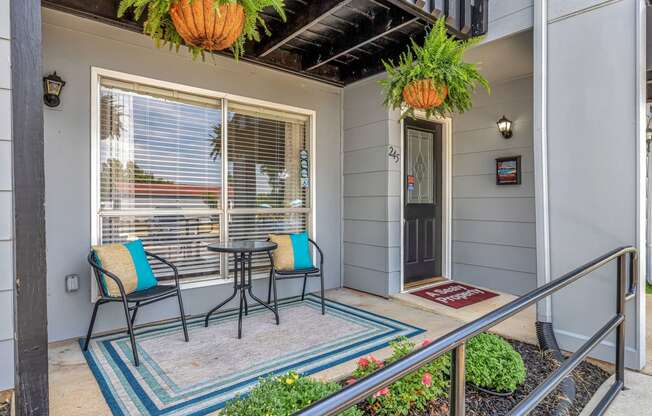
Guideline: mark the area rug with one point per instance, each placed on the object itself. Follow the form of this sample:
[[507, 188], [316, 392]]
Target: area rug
[[199, 377], [455, 295]]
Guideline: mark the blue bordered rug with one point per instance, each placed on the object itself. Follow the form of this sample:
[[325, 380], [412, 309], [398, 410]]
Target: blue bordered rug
[[199, 377]]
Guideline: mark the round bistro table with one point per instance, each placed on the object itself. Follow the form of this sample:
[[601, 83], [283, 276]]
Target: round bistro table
[[242, 252]]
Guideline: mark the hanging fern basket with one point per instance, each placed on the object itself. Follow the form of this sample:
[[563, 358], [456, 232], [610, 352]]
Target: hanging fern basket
[[201, 25], [425, 94]]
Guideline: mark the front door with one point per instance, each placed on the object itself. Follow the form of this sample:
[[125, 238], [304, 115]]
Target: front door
[[422, 184]]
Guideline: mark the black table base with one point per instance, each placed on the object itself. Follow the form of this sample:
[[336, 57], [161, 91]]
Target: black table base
[[242, 285]]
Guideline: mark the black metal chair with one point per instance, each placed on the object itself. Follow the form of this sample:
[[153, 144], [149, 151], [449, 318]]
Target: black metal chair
[[137, 299], [275, 275]]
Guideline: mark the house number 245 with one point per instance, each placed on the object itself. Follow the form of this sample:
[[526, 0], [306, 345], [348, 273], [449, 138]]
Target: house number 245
[[394, 154]]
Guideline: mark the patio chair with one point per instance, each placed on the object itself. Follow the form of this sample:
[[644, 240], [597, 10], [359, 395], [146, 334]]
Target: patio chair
[[277, 273], [132, 301]]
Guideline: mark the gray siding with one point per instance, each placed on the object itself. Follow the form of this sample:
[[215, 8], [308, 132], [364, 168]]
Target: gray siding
[[71, 46], [507, 17], [6, 217], [494, 226], [594, 143], [372, 192]]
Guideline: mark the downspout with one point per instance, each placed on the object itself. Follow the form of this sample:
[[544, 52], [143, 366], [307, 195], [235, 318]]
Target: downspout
[[544, 308], [341, 188], [544, 328]]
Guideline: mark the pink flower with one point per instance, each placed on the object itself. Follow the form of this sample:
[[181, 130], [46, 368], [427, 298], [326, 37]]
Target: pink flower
[[376, 361], [363, 362], [350, 381], [426, 380], [425, 342], [382, 392]]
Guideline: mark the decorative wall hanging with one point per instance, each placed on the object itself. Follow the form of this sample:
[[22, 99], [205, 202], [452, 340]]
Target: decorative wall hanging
[[508, 170], [304, 170]]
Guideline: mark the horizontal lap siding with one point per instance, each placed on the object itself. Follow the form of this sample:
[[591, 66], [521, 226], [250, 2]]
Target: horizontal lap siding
[[6, 217], [71, 45], [494, 240], [371, 193]]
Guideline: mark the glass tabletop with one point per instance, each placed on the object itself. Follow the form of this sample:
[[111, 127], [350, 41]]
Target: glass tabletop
[[242, 246]]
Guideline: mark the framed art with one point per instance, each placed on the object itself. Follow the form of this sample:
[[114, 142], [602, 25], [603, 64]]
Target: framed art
[[508, 170]]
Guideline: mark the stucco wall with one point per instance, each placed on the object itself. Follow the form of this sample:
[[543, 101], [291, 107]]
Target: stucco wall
[[6, 217], [71, 46], [494, 239]]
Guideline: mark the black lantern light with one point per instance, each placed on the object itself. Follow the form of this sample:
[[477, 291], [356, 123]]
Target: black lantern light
[[505, 127], [52, 86]]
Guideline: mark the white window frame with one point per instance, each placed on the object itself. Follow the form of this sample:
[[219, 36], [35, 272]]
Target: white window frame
[[224, 278]]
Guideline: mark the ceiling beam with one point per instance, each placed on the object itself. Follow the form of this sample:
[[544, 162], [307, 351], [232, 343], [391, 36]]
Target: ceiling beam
[[382, 25], [315, 12], [373, 65], [105, 11]]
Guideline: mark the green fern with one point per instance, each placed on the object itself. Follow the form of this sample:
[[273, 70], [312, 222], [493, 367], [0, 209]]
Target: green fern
[[158, 24], [440, 59]]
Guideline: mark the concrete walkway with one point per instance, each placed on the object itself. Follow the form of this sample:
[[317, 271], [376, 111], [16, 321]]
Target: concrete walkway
[[636, 400], [74, 391]]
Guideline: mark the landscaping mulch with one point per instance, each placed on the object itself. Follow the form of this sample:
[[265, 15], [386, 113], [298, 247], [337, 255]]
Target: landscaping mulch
[[539, 364]]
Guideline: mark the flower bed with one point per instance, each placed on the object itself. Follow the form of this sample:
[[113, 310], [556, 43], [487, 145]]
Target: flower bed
[[511, 369]]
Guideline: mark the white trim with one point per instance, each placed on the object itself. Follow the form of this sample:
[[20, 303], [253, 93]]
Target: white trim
[[641, 162], [540, 147], [446, 197], [224, 212], [95, 161], [123, 76]]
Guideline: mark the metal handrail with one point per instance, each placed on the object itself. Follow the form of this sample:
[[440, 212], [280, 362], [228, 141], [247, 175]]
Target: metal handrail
[[455, 341]]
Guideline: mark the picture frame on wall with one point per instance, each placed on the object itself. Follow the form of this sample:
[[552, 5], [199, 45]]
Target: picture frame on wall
[[508, 170]]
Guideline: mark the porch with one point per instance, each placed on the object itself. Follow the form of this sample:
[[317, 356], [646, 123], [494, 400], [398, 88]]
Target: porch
[[74, 390], [150, 144]]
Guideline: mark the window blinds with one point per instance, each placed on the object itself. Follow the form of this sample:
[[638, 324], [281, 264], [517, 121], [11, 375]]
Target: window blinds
[[161, 174]]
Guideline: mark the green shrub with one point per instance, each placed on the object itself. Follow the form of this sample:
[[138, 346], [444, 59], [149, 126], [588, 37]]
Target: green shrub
[[412, 392], [492, 363], [283, 396]]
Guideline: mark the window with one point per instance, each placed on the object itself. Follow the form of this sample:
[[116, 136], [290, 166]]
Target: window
[[167, 171]]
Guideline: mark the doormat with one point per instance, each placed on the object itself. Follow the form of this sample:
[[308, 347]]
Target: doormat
[[456, 295], [176, 378]]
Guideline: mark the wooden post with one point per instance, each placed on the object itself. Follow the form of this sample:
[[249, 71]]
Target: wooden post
[[31, 348]]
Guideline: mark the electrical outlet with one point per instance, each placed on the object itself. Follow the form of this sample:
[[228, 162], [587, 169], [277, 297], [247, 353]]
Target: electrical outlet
[[72, 283]]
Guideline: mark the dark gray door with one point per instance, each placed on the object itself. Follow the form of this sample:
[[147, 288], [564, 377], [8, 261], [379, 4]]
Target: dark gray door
[[422, 201]]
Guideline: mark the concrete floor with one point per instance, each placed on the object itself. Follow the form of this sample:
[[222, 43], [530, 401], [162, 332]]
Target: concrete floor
[[636, 400], [74, 391], [648, 328]]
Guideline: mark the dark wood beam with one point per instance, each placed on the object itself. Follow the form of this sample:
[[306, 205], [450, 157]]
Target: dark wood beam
[[105, 11], [382, 25], [373, 65], [315, 12], [30, 302]]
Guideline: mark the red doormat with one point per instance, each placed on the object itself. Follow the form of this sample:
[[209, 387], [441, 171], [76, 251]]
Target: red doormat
[[456, 295]]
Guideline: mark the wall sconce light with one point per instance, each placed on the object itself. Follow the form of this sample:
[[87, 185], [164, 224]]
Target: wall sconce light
[[505, 127], [52, 86]]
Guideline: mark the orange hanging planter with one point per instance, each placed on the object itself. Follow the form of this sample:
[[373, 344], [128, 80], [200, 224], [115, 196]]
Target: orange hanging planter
[[424, 94], [200, 25]]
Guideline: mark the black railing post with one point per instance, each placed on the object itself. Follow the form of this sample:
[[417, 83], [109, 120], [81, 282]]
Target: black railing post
[[458, 383], [620, 311], [455, 340]]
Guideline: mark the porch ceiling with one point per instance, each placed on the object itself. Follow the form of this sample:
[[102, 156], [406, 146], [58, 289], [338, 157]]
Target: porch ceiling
[[335, 41]]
